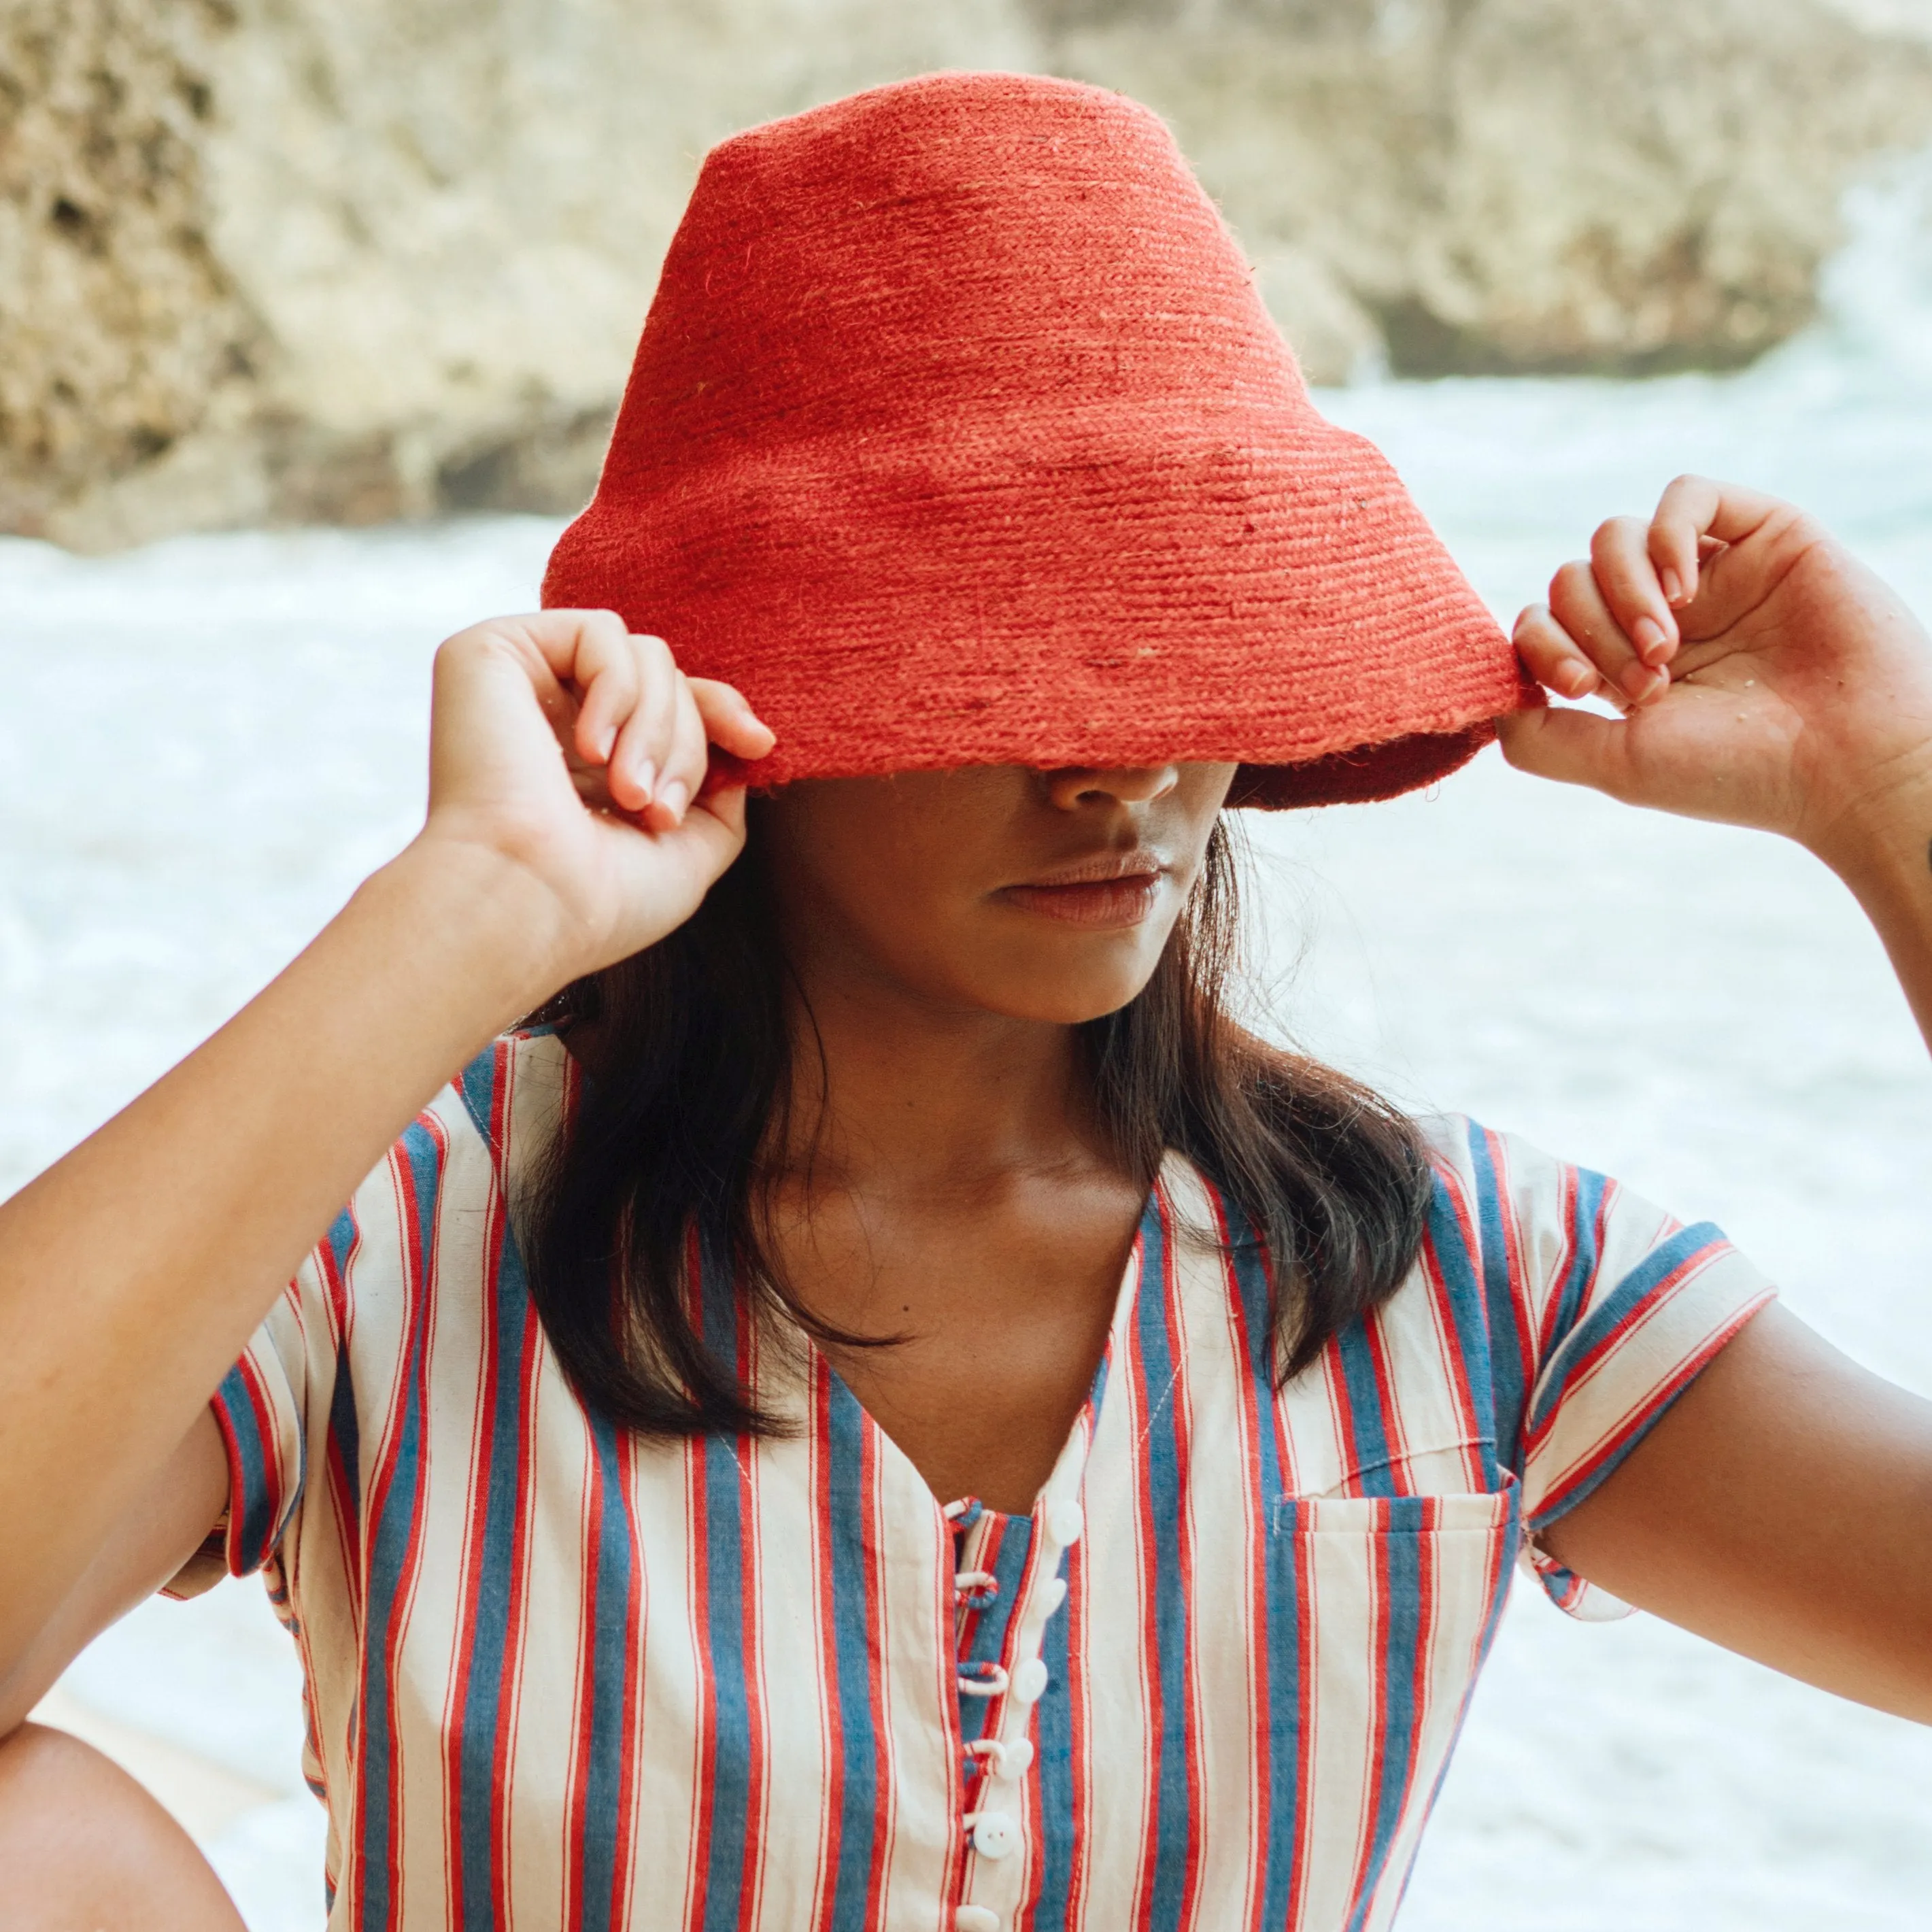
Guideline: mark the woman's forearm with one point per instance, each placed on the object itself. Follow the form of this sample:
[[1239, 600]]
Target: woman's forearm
[[132, 1271], [1884, 856]]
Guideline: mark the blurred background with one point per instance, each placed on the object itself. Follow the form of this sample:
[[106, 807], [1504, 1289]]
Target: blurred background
[[313, 316]]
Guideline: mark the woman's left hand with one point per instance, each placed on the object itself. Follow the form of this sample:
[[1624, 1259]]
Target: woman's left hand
[[1766, 678]]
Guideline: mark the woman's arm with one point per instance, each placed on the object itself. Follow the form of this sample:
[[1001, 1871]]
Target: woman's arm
[[566, 829], [1783, 1506]]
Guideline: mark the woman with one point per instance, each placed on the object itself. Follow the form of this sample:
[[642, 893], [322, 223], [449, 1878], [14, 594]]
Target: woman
[[887, 1408]]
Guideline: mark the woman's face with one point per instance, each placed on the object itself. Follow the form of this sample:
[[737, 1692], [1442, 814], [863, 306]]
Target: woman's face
[[1042, 895]]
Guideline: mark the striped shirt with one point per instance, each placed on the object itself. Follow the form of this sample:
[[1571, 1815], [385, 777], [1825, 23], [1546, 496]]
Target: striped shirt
[[559, 1676]]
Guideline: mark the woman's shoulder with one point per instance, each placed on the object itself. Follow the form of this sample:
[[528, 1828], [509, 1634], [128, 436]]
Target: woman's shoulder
[[428, 1197], [513, 1094], [479, 1132], [1503, 1205], [1477, 1161]]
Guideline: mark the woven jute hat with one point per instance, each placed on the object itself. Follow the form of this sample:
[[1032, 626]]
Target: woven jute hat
[[958, 435]]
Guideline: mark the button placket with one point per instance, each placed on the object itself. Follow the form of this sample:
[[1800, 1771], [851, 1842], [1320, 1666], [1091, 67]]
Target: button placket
[[992, 1886], [992, 1832]]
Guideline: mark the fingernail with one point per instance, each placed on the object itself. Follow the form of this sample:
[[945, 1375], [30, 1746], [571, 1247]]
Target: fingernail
[[1639, 681], [646, 775], [1651, 639], [674, 798], [1578, 680]]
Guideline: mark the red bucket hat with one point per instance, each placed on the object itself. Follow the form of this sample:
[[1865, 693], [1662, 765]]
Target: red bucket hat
[[958, 435]]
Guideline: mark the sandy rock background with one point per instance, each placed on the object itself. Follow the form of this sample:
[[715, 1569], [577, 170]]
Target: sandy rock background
[[348, 260]]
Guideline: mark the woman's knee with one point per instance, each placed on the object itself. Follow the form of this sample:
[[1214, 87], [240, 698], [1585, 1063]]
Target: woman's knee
[[84, 1848]]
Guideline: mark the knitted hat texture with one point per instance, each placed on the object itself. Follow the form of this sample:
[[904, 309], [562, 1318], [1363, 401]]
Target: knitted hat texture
[[958, 435]]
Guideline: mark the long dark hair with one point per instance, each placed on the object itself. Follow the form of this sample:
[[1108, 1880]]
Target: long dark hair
[[686, 1058]]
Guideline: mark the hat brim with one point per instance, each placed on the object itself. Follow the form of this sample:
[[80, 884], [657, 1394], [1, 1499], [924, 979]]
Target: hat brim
[[1266, 595], [1363, 776]]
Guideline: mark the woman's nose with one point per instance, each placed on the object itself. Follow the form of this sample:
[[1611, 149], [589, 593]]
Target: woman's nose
[[1079, 785]]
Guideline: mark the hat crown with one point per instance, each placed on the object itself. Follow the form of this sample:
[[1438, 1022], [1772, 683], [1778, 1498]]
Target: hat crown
[[957, 249], [958, 435]]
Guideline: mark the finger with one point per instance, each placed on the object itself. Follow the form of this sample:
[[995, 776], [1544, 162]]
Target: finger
[[726, 805], [603, 668], [1578, 605], [483, 724], [1629, 584], [1553, 657], [1693, 512], [561, 637], [729, 722], [644, 743], [686, 759], [573, 658], [671, 873], [1582, 747]]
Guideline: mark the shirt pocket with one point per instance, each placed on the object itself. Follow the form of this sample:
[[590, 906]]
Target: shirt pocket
[[1387, 1607], [1397, 1590]]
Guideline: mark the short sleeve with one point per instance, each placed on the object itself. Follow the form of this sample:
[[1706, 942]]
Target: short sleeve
[[362, 1306], [1603, 1309], [258, 1409], [264, 1406]]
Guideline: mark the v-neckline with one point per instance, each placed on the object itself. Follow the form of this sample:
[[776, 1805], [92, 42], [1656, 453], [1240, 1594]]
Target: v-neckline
[[1086, 1418]]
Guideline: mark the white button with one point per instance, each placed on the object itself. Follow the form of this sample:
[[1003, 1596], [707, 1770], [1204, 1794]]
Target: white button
[[975, 1918], [994, 1834], [1053, 1596], [1029, 1681], [1064, 1522], [1016, 1759]]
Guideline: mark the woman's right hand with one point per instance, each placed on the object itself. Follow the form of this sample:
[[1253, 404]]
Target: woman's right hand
[[576, 751], [568, 826]]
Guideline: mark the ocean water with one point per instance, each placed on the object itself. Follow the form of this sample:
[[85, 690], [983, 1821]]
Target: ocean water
[[207, 743]]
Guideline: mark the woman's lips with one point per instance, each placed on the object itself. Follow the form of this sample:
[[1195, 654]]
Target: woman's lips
[[1099, 902], [1118, 891]]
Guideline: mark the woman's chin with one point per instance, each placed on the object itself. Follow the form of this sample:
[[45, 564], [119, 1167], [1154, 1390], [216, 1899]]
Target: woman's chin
[[1107, 967]]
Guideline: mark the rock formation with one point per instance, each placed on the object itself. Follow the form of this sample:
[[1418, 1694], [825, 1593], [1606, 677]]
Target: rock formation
[[1524, 186], [352, 259]]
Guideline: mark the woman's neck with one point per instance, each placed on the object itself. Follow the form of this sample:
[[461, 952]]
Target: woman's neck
[[892, 1092]]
